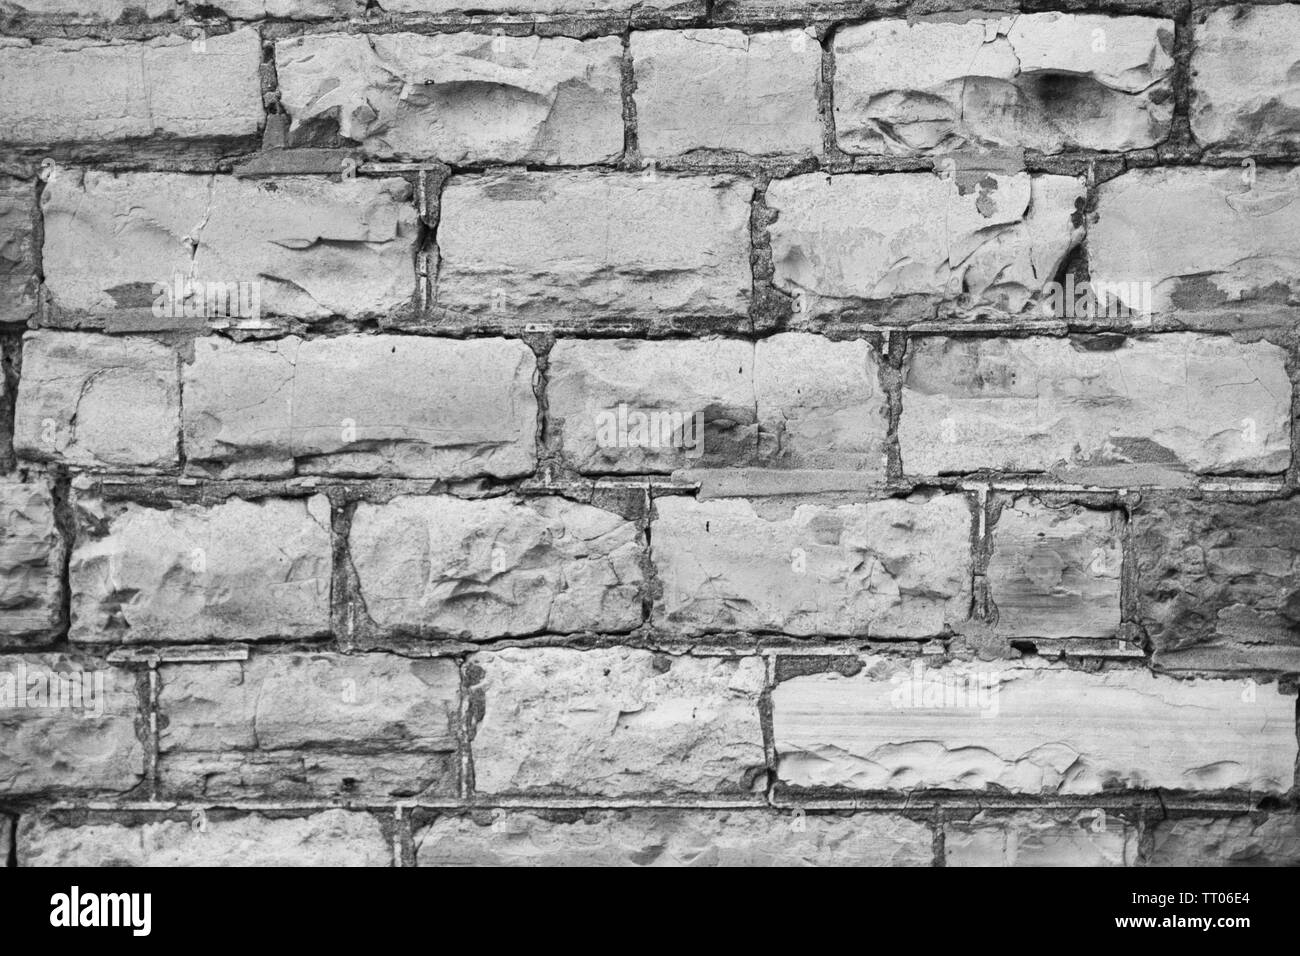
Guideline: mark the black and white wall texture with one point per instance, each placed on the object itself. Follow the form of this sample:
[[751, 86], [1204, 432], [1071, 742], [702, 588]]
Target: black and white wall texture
[[721, 432]]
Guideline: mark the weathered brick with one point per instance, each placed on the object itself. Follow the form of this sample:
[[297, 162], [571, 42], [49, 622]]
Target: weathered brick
[[361, 405], [1219, 583], [627, 406], [108, 11], [976, 238], [447, 567], [1030, 728], [1055, 569], [18, 279], [621, 405], [78, 90], [820, 404], [68, 725], [616, 722], [568, 245], [289, 9], [674, 838], [687, 8], [1138, 410], [1246, 76], [297, 247], [893, 568], [461, 98], [31, 557], [1090, 838], [299, 725], [235, 571], [1044, 81], [1199, 237], [1232, 841], [219, 838], [726, 90], [98, 401]]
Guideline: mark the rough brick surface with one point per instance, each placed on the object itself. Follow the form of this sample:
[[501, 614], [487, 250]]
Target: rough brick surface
[[107, 11], [1044, 81], [174, 86], [1231, 841], [564, 432], [1091, 838], [987, 237], [462, 98], [235, 571], [308, 248], [310, 725], [616, 723], [663, 838], [1219, 583], [1201, 237], [1136, 411], [71, 725], [386, 405], [970, 727], [895, 568], [324, 839], [18, 278], [549, 247], [623, 406], [1054, 571], [441, 566], [31, 552], [1246, 77], [98, 402], [768, 82]]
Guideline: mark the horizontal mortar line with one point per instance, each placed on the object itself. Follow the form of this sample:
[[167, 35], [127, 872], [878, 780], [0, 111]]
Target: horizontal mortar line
[[677, 483], [866, 803]]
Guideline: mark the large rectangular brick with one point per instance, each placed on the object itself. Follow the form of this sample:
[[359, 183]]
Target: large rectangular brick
[[893, 568], [665, 838], [18, 279], [326, 838], [1030, 728], [235, 571], [105, 11], [69, 725], [440, 566], [1054, 570], [1061, 838], [1273, 840], [79, 90], [1245, 72], [628, 406], [973, 238], [361, 405], [295, 247], [726, 90], [1045, 81], [1197, 238], [1137, 410], [98, 401], [304, 725], [549, 8], [461, 98], [569, 245], [1219, 583], [615, 723], [31, 559]]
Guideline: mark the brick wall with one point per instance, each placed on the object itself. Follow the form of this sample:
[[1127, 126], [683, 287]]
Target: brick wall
[[653, 433]]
